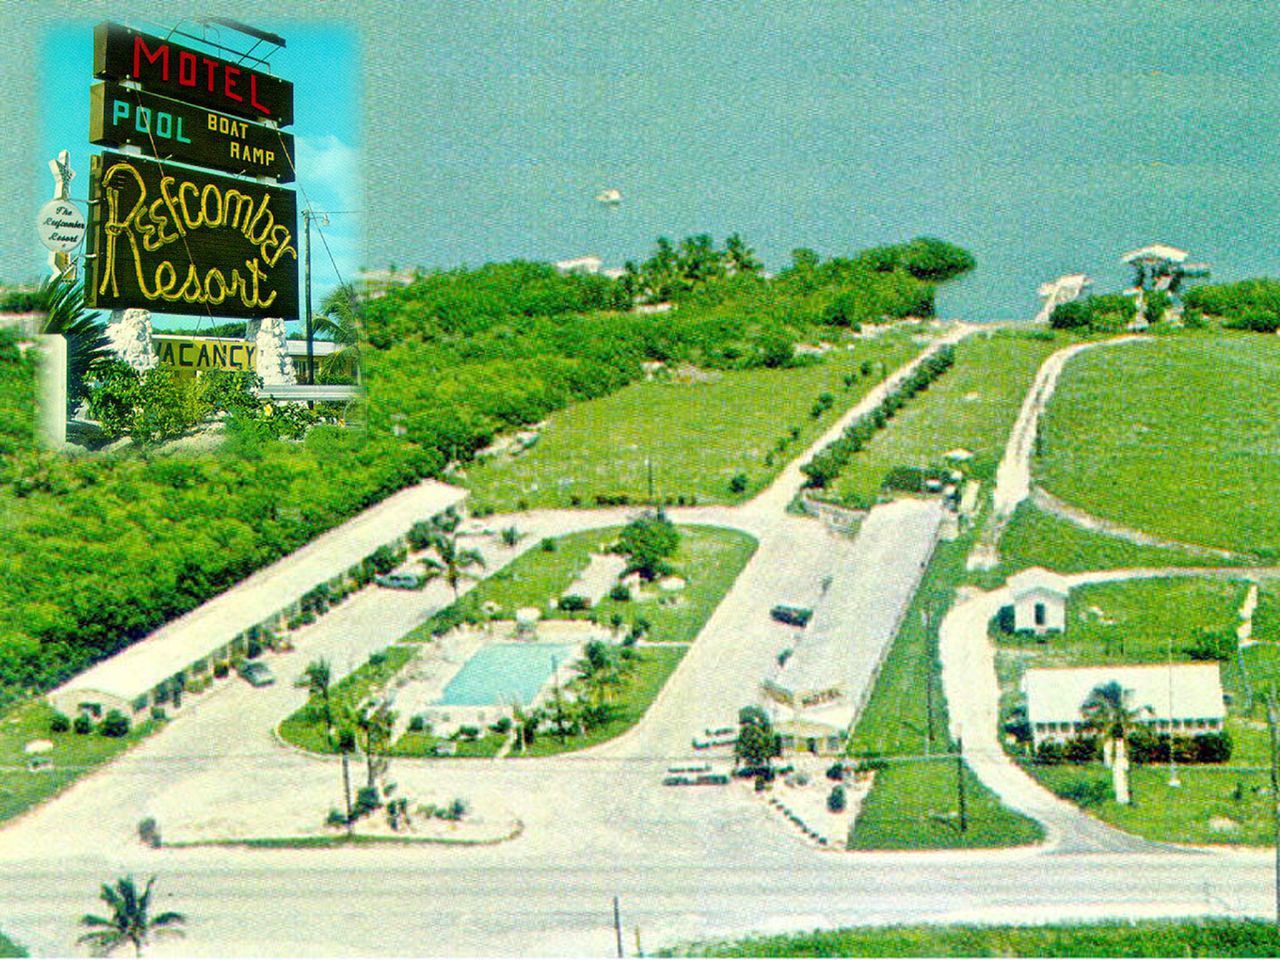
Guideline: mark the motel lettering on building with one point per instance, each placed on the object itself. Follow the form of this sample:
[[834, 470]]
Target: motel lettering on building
[[166, 68]]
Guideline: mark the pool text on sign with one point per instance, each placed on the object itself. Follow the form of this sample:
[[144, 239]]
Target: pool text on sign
[[186, 241], [195, 353], [172, 130], [164, 67]]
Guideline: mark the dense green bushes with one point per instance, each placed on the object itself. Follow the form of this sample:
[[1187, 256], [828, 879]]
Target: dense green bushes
[[1247, 305], [102, 550], [1105, 312], [825, 467]]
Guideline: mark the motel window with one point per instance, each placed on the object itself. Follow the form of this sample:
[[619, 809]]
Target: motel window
[[1040, 615]]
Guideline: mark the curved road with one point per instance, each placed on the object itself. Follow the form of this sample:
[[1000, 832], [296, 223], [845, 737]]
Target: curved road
[[686, 863]]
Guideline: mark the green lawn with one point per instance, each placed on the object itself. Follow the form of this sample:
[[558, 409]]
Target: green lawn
[[1266, 618], [654, 665], [10, 949], [1143, 938], [1217, 804], [1034, 538], [1174, 436], [418, 744], [1133, 621], [305, 727], [972, 406], [909, 804], [73, 755], [698, 436], [709, 560], [915, 804]]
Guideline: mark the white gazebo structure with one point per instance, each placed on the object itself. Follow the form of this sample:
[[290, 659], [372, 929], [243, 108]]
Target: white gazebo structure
[[1039, 600]]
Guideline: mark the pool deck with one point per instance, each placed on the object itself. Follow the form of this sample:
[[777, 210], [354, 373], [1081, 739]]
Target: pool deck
[[421, 684]]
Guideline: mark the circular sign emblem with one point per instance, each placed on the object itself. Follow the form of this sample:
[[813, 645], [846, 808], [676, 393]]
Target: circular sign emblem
[[60, 225]]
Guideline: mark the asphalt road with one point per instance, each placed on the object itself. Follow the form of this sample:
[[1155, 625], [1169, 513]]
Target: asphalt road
[[687, 863]]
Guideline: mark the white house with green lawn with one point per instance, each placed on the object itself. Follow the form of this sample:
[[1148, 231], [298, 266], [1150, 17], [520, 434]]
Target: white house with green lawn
[[1039, 600], [1182, 699]]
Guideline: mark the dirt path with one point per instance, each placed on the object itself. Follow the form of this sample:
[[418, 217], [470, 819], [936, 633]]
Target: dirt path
[[1047, 502], [1013, 476]]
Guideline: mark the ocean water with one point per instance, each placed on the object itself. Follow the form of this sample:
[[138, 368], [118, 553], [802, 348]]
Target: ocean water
[[1047, 137]]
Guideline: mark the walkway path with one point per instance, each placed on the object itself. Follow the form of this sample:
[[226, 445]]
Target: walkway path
[[1013, 476], [1047, 502]]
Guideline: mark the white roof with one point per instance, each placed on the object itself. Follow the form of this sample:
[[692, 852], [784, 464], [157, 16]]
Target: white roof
[[175, 646], [1055, 695], [1037, 579], [1156, 251], [853, 623]]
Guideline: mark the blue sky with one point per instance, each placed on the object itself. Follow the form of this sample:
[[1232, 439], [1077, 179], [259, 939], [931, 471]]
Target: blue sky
[[322, 62]]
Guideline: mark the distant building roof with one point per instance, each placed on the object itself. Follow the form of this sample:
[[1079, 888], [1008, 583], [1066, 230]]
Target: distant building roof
[[139, 668], [1039, 579], [588, 264], [841, 649], [1156, 251], [1055, 695]]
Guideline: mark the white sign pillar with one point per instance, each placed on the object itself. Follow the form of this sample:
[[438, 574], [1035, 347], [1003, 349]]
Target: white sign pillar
[[51, 424]]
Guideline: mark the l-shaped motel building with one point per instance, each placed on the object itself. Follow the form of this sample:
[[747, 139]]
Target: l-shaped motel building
[[182, 654], [817, 694]]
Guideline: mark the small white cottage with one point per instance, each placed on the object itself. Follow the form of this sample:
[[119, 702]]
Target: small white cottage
[[1039, 600]]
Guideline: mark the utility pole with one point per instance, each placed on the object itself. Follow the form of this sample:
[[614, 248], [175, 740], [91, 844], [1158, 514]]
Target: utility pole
[[311, 358], [307, 216], [648, 463], [960, 797], [617, 926], [1272, 723], [928, 685], [1173, 762]]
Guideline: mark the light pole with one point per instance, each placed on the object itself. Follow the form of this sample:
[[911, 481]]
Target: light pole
[[307, 216], [1173, 763]]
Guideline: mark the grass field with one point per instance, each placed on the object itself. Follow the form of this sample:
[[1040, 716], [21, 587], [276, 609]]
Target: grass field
[[915, 805], [1034, 538], [972, 406], [1134, 621], [72, 756], [1266, 618], [1142, 938], [1131, 622], [698, 436], [1175, 436], [654, 666], [910, 804], [709, 560]]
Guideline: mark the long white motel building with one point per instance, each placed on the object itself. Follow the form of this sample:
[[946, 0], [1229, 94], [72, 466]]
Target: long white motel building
[[817, 694], [146, 673], [1183, 698]]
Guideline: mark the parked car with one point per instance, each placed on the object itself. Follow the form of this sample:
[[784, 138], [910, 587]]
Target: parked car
[[401, 581], [697, 774], [716, 737], [793, 616], [256, 674]]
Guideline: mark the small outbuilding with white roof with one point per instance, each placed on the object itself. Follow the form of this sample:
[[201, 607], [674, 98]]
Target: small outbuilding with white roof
[[1184, 699], [1039, 600]]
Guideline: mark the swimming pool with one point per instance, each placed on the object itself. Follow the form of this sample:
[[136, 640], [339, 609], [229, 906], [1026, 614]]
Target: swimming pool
[[504, 673]]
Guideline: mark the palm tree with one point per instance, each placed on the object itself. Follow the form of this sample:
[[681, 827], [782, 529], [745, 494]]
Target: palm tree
[[130, 919], [376, 725], [319, 676], [62, 303], [339, 322], [452, 563], [738, 257], [1106, 710]]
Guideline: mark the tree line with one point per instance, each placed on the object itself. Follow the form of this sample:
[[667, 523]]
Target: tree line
[[102, 549]]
